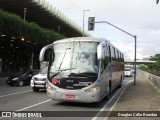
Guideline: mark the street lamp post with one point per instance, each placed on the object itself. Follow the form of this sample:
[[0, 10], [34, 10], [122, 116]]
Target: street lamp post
[[59, 28], [24, 17], [83, 19]]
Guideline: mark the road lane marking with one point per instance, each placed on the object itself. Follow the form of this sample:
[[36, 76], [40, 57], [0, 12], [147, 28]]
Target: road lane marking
[[96, 117], [106, 118], [15, 93], [110, 109], [31, 106], [34, 105]]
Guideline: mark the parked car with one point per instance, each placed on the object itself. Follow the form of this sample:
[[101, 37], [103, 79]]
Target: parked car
[[39, 81], [128, 72], [21, 79]]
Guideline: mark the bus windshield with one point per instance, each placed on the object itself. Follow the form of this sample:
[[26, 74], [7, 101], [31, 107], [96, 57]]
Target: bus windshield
[[74, 58]]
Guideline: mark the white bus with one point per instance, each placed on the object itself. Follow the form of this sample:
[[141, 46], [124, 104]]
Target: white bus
[[83, 69]]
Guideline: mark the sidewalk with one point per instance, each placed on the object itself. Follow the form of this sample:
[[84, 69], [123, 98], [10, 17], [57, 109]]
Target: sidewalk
[[140, 97]]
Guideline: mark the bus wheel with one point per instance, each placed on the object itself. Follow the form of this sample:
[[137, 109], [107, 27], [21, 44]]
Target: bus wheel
[[109, 91], [120, 84], [110, 87]]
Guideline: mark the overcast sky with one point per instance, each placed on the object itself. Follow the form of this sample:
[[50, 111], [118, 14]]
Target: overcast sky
[[138, 17]]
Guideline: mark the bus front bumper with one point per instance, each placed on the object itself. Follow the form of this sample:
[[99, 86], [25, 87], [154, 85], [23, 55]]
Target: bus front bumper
[[74, 96]]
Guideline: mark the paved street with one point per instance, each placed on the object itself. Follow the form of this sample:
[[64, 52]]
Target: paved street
[[23, 99], [141, 97]]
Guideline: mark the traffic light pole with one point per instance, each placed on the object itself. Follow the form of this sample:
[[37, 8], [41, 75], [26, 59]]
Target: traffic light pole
[[157, 1], [135, 37]]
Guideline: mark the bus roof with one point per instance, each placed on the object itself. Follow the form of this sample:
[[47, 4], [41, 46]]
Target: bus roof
[[93, 39]]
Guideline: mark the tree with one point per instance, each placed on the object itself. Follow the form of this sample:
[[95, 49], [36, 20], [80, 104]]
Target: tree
[[156, 65]]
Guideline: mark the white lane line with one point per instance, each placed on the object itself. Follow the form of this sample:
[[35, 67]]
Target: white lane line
[[33, 105], [96, 117], [15, 93], [106, 118], [110, 109]]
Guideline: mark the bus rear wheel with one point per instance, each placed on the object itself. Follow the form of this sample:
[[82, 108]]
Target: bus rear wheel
[[120, 84], [109, 91]]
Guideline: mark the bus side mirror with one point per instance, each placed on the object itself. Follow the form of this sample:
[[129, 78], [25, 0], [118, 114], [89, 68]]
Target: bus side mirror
[[42, 52], [100, 52]]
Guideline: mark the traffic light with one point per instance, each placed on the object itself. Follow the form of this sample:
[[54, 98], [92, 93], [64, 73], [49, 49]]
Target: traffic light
[[91, 21], [157, 1]]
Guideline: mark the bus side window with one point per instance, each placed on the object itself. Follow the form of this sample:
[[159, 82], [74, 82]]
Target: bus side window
[[121, 57], [113, 53], [107, 58], [118, 56]]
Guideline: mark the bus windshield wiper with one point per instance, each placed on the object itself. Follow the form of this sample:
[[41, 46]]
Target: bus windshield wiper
[[60, 70], [63, 57], [61, 64]]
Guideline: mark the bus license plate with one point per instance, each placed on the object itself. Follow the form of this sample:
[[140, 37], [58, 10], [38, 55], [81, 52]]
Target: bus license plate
[[69, 96]]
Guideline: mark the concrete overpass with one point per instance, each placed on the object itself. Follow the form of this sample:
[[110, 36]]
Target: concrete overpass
[[16, 54], [44, 14], [139, 61]]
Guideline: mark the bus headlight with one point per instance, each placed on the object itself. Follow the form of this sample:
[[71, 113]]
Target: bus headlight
[[51, 88], [93, 89]]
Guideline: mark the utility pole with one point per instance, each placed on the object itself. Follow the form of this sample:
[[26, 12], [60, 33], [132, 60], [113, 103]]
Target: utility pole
[[83, 19], [24, 17]]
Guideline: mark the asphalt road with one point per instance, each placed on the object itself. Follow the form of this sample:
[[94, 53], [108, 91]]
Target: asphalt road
[[24, 99]]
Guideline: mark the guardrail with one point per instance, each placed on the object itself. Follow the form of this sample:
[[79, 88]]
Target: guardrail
[[153, 79]]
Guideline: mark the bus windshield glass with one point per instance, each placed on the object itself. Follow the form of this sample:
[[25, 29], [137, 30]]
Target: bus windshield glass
[[75, 57]]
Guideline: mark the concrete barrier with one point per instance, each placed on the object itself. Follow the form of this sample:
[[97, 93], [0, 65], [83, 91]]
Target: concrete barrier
[[153, 79]]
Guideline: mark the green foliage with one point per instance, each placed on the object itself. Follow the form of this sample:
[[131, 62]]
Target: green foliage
[[153, 68], [15, 26], [156, 65], [144, 68]]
